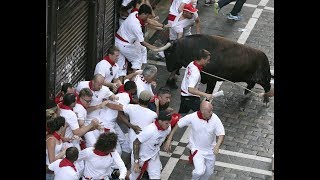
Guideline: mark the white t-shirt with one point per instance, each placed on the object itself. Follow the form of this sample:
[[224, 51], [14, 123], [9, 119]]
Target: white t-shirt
[[81, 113], [71, 120], [191, 78], [99, 167], [63, 173], [106, 70], [151, 139], [203, 133], [109, 116], [97, 98], [142, 85], [174, 8], [182, 26], [125, 2], [140, 116], [131, 30]]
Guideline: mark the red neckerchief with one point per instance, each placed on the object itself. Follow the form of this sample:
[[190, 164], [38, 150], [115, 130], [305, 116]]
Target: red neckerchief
[[62, 106], [109, 60], [100, 153], [134, 9], [121, 90], [56, 135], [90, 85], [154, 98], [198, 65], [200, 116], [143, 80], [58, 99], [140, 20], [158, 125], [66, 162], [79, 102]]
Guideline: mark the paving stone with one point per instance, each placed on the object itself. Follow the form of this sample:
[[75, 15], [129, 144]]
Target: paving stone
[[243, 141], [227, 175], [250, 137]]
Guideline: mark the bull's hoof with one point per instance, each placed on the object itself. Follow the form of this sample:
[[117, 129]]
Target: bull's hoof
[[172, 84], [246, 92]]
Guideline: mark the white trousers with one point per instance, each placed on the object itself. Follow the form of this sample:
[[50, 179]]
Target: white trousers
[[203, 167], [153, 169], [132, 52]]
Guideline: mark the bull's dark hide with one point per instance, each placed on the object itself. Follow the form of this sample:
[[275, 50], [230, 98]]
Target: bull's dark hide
[[230, 60]]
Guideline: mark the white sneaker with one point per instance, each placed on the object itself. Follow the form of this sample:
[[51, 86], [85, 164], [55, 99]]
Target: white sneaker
[[232, 17]]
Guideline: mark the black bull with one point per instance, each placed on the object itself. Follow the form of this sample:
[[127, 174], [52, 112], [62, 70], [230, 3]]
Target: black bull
[[230, 60]]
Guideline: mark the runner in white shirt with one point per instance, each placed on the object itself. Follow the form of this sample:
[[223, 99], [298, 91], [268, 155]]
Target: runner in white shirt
[[129, 32], [74, 131], [145, 81], [176, 8], [83, 102], [205, 126], [146, 148], [190, 94], [109, 68], [100, 94], [65, 169], [100, 158], [139, 115], [182, 24]]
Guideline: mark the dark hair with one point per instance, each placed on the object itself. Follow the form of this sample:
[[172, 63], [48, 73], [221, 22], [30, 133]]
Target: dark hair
[[106, 142], [65, 87], [142, 102], [72, 154], [164, 116], [112, 49], [144, 8], [129, 85], [50, 104], [203, 54], [55, 124], [69, 98], [85, 92], [164, 90]]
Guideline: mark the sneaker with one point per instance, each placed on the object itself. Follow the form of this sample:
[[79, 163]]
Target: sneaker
[[232, 17], [216, 8]]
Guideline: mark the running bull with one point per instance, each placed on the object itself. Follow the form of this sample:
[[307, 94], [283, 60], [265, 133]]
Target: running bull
[[229, 60]]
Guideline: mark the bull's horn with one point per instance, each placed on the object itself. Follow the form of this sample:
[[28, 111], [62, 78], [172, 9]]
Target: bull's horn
[[162, 48]]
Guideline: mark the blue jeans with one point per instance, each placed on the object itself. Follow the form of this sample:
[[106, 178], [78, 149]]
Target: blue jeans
[[236, 8]]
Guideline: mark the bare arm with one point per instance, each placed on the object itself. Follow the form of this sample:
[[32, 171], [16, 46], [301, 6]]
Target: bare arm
[[144, 43], [167, 146], [180, 35], [99, 106], [197, 22], [217, 146], [122, 118], [199, 93], [180, 9], [51, 144], [136, 150], [84, 129]]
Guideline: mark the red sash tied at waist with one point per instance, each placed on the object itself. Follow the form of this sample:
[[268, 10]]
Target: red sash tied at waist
[[119, 37], [143, 169]]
